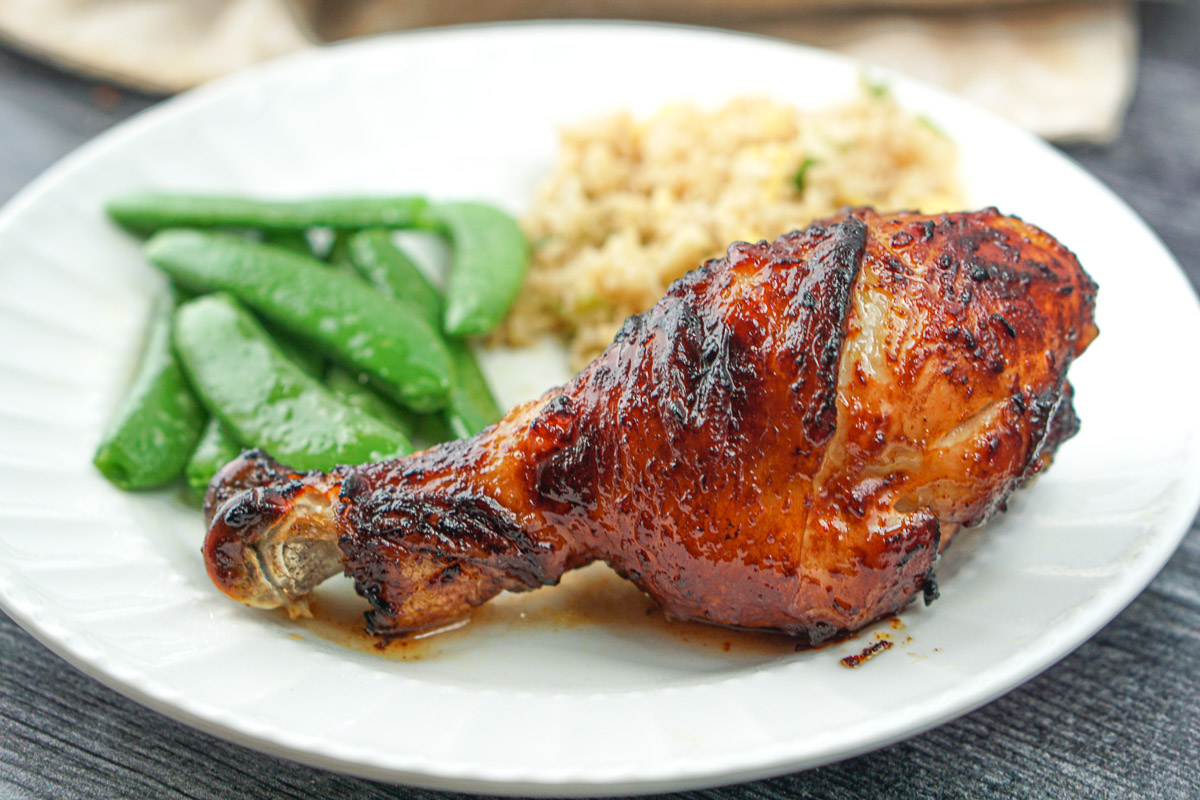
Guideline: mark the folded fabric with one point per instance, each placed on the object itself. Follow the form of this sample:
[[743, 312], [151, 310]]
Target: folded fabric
[[1064, 70]]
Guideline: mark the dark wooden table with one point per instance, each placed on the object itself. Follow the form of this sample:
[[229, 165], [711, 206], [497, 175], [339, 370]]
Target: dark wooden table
[[1120, 717]]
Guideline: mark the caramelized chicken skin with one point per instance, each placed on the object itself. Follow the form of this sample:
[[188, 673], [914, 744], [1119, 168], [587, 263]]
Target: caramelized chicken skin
[[785, 441]]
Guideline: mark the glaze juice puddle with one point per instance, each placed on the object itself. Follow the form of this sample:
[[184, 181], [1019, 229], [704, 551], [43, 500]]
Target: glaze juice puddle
[[593, 596]]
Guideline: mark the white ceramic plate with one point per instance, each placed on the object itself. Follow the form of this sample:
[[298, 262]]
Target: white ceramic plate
[[114, 581]]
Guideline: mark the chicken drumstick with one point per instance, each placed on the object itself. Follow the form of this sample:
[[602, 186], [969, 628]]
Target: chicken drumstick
[[785, 441]]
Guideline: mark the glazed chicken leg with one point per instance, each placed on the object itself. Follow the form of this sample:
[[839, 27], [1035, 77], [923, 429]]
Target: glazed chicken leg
[[785, 441]]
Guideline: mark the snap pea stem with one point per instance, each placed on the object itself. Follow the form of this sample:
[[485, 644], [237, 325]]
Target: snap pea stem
[[353, 324], [147, 212], [261, 396], [156, 426]]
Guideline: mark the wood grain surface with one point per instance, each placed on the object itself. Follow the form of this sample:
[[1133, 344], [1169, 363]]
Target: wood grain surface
[[1120, 717]]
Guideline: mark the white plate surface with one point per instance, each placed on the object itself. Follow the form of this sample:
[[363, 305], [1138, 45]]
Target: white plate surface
[[114, 581]]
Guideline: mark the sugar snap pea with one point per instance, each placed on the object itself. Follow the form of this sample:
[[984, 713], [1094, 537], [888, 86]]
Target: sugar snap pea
[[216, 448], [423, 430], [488, 262], [147, 212], [262, 397], [299, 351], [358, 393], [218, 445], [295, 240], [349, 321], [390, 270], [149, 439], [472, 406], [339, 250]]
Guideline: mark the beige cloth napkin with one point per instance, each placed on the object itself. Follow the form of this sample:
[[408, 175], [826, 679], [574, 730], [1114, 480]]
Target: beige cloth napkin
[[1061, 68]]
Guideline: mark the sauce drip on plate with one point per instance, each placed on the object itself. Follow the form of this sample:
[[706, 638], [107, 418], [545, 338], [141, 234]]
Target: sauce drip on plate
[[594, 596]]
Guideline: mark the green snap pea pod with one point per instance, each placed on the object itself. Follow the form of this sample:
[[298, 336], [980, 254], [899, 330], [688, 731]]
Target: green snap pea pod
[[217, 447], [294, 240], [262, 397], [353, 324], [388, 268], [147, 212], [472, 405], [488, 262], [295, 348], [359, 394], [149, 439], [339, 250], [300, 352], [433, 429], [424, 430]]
